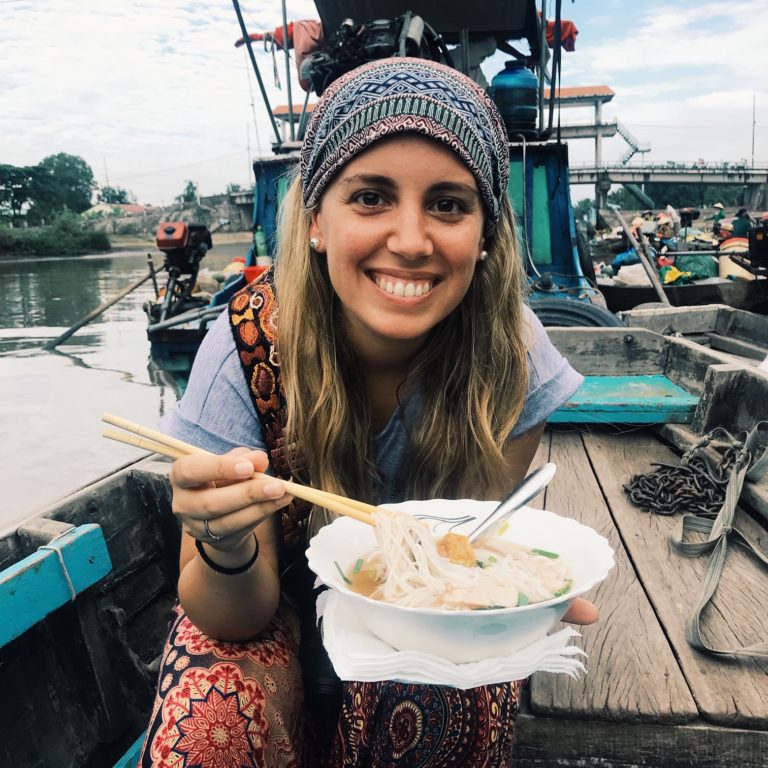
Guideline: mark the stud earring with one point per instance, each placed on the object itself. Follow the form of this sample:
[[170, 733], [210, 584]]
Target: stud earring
[[483, 255], [313, 243]]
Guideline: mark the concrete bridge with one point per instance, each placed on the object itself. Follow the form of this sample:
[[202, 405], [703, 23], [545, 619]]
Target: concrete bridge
[[754, 179]]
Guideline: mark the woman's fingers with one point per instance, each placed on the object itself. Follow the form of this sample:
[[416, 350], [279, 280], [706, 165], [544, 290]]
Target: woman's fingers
[[209, 503], [198, 470], [220, 492], [581, 612]]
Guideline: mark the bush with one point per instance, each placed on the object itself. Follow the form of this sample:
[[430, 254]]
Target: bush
[[64, 237]]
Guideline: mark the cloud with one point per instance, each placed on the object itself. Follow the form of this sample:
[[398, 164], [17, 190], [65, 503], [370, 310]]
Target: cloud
[[155, 93]]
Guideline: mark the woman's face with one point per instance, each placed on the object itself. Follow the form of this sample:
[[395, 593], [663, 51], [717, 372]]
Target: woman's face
[[401, 228]]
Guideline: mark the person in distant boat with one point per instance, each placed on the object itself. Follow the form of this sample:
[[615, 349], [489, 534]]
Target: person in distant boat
[[717, 217], [403, 364], [742, 223], [674, 217]]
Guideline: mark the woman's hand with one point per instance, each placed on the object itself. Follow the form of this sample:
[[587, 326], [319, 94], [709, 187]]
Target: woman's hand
[[217, 499], [581, 612]]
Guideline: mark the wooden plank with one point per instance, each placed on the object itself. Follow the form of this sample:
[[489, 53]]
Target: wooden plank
[[726, 692], [37, 585], [687, 363], [741, 324], [611, 351], [545, 742], [737, 346], [632, 673], [650, 399], [668, 320]]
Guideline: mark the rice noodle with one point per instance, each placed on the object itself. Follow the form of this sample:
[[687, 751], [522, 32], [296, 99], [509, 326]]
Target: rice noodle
[[410, 571]]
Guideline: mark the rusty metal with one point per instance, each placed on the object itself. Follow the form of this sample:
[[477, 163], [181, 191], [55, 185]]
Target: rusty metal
[[696, 486]]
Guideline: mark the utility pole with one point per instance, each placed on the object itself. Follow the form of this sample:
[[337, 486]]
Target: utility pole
[[754, 122]]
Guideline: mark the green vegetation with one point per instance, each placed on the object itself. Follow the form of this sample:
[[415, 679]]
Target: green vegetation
[[115, 196], [37, 193], [64, 236], [682, 196]]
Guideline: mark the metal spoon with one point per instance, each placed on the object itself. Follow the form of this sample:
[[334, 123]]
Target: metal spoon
[[532, 486]]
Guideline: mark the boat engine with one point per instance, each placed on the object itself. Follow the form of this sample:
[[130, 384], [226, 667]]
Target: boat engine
[[184, 246], [354, 44]]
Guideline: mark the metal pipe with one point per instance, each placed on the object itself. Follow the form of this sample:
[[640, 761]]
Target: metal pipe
[[249, 46], [288, 71], [542, 62], [187, 317]]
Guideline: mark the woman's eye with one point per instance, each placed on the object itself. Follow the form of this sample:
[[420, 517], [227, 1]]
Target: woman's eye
[[448, 205], [368, 198]]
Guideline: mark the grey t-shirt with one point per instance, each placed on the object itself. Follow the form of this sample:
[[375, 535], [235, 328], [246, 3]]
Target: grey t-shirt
[[216, 412]]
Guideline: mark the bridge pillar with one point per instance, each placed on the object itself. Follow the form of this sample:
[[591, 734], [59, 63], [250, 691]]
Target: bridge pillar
[[602, 188], [756, 197]]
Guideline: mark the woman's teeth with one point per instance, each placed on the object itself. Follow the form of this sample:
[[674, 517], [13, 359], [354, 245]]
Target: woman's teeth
[[399, 288]]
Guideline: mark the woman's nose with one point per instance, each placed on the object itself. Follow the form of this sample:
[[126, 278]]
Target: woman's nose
[[410, 237]]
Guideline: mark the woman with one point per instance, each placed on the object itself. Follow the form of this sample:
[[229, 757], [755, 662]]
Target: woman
[[406, 367]]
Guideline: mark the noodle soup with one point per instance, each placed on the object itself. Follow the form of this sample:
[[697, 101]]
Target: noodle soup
[[411, 566], [455, 633]]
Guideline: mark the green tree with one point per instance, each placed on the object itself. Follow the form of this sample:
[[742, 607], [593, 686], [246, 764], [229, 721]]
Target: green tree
[[15, 189], [189, 195], [61, 182], [115, 195], [233, 188]]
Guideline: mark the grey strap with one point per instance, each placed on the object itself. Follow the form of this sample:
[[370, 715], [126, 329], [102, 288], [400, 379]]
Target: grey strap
[[718, 531]]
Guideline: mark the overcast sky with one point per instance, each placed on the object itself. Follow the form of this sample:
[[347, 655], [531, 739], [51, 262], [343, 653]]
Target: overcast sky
[[154, 93]]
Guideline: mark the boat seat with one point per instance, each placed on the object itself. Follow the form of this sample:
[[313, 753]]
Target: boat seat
[[63, 567], [648, 399]]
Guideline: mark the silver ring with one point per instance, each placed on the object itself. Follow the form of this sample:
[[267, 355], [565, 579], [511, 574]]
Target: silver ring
[[212, 536]]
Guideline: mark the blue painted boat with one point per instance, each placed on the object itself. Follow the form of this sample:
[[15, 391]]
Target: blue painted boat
[[85, 588]]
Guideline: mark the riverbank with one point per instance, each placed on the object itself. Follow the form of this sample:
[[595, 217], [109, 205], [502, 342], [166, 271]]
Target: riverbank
[[139, 243]]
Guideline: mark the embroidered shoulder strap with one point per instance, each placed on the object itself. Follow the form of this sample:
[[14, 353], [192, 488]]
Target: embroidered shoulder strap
[[253, 320]]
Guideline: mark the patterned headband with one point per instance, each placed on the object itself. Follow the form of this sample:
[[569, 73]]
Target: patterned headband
[[401, 95]]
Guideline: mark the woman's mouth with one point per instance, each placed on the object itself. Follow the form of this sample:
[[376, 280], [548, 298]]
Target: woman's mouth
[[400, 287]]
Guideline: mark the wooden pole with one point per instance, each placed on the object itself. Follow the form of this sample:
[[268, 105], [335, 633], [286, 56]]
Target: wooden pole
[[645, 260], [49, 345]]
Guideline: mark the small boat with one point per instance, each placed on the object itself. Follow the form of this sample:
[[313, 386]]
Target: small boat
[[188, 303], [733, 273], [178, 316], [86, 586]]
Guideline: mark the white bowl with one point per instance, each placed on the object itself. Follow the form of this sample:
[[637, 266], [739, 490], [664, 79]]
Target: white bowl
[[465, 635]]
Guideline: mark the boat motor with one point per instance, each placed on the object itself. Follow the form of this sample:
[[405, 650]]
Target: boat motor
[[354, 44], [184, 246]]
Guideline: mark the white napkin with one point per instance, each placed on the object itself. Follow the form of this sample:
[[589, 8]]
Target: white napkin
[[357, 654]]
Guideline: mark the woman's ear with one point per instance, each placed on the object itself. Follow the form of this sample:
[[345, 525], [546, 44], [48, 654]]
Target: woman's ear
[[315, 239]]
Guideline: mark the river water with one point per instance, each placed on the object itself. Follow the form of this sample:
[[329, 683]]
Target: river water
[[51, 402]]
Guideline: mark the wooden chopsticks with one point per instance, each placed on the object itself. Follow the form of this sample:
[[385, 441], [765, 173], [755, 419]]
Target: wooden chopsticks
[[152, 440]]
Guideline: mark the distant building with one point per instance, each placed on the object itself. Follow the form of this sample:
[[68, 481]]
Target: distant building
[[117, 209]]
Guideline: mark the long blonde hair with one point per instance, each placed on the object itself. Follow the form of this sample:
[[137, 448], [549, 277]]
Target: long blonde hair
[[473, 373]]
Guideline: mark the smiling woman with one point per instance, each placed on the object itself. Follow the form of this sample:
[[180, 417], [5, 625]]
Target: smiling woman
[[404, 366]]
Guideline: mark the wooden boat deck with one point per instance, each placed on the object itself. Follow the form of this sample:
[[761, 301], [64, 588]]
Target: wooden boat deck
[[649, 698]]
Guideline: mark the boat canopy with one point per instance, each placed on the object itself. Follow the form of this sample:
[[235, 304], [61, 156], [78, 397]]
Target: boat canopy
[[503, 19]]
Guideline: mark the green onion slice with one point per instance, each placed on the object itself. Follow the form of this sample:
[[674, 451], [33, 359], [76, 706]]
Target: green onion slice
[[546, 553], [343, 575]]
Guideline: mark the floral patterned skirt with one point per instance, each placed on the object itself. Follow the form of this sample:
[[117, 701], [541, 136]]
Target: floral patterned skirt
[[238, 705]]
